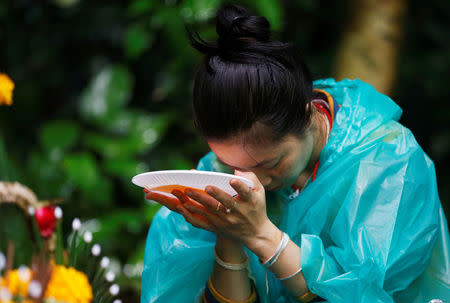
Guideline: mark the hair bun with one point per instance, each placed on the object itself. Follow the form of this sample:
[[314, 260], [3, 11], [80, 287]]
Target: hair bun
[[243, 38], [235, 24]]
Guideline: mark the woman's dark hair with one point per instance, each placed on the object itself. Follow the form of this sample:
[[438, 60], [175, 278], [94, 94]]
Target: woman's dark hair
[[247, 80]]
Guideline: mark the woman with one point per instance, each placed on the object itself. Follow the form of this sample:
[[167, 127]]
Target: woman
[[345, 206]]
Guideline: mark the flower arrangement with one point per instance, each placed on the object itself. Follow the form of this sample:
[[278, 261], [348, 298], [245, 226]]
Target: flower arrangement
[[75, 274], [6, 89], [55, 274]]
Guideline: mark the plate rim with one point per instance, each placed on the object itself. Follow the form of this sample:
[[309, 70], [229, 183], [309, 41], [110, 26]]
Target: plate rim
[[202, 172]]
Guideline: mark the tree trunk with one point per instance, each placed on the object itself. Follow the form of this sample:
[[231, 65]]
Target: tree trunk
[[371, 41]]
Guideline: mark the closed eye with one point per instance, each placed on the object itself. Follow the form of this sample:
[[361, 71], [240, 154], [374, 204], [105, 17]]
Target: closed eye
[[275, 164]]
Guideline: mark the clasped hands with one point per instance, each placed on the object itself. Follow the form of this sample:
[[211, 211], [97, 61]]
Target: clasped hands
[[241, 218]]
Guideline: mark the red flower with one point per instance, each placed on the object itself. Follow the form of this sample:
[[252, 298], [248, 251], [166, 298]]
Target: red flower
[[46, 221]]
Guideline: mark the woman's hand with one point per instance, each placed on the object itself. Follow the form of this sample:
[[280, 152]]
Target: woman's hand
[[169, 202], [175, 203], [242, 218]]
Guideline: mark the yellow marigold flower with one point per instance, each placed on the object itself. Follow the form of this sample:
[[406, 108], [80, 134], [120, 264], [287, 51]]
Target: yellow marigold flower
[[68, 285], [6, 89], [17, 282]]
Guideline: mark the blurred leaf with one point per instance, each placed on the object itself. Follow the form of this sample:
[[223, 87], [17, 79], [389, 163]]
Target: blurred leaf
[[82, 170], [59, 135], [273, 11], [109, 146], [170, 159], [137, 39], [139, 7], [138, 255], [117, 228], [108, 92], [174, 31], [198, 10], [100, 194], [143, 131], [118, 147], [13, 227], [131, 219], [166, 82], [133, 121], [150, 211], [123, 168], [48, 180]]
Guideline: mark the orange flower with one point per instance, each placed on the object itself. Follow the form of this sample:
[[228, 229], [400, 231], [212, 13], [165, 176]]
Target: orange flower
[[6, 89], [68, 285], [17, 281]]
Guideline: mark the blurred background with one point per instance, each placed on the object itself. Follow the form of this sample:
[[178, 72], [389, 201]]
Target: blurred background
[[103, 90]]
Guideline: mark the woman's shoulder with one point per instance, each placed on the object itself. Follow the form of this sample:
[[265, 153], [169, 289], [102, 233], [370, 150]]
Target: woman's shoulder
[[360, 98], [366, 120]]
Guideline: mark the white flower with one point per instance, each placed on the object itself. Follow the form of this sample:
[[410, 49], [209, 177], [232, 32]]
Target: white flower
[[117, 301], [104, 262], [96, 249], [76, 224], [31, 210], [87, 237], [110, 276], [24, 273], [114, 289], [35, 289], [2, 261], [58, 212], [5, 295], [128, 270]]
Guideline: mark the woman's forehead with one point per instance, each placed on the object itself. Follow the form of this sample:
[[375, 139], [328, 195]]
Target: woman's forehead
[[238, 154]]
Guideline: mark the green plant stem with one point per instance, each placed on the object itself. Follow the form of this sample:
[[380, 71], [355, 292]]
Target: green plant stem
[[73, 249], [37, 234], [59, 244]]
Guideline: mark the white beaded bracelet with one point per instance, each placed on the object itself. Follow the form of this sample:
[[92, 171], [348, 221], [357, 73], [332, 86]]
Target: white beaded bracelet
[[284, 242], [231, 266]]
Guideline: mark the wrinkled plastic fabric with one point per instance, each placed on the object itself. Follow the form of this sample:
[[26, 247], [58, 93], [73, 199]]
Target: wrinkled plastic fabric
[[370, 227]]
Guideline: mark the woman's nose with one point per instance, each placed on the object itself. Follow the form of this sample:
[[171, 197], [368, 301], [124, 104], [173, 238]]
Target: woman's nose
[[264, 179]]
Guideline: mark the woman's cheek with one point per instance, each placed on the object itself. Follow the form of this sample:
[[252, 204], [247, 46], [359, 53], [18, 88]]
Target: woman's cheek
[[283, 170]]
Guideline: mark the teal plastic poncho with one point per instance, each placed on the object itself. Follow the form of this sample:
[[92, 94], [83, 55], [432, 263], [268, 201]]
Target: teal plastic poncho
[[371, 227]]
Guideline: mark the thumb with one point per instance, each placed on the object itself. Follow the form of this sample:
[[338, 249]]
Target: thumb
[[251, 176]]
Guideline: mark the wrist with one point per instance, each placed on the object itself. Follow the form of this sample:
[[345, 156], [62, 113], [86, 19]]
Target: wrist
[[229, 250], [266, 241]]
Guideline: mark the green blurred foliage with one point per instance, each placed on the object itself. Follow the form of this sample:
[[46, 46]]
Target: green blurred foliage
[[103, 91], [14, 226]]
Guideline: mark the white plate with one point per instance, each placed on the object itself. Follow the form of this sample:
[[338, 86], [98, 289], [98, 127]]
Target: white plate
[[189, 178]]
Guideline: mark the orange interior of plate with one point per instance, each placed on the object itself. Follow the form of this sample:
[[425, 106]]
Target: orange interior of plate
[[169, 188]]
